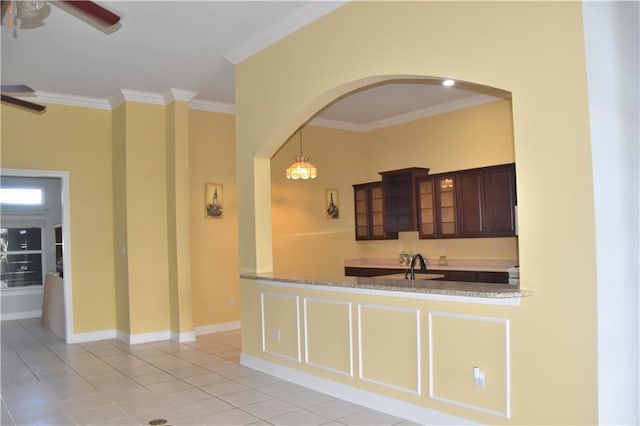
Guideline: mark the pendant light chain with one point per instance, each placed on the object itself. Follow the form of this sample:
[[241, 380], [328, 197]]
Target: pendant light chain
[[302, 169]]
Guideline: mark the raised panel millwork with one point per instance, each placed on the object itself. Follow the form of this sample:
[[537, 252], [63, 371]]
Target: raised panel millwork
[[457, 344], [328, 327], [500, 200], [389, 347], [470, 202], [281, 325]]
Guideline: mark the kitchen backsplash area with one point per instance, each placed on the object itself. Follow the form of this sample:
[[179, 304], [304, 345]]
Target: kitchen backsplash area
[[487, 249]]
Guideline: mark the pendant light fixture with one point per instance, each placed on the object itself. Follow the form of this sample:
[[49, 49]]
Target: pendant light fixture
[[302, 168]]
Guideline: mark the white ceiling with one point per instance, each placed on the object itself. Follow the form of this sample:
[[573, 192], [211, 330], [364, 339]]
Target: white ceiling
[[190, 45]]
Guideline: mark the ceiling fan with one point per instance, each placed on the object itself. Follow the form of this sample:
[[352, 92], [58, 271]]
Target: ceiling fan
[[19, 88], [29, 9]]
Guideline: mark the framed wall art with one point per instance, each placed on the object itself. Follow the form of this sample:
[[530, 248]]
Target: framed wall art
[[213, 200], [332, 203]]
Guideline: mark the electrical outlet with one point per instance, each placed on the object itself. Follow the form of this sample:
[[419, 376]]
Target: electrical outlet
[[276, 334], [232, 301]]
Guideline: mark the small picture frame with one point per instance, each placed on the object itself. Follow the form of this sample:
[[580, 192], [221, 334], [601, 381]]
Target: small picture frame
[[213, 200], [332, 203]]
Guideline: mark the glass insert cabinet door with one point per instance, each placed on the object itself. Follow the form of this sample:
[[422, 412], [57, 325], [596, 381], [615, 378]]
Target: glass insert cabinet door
[[427, 216], [445, 190], [20, 257]]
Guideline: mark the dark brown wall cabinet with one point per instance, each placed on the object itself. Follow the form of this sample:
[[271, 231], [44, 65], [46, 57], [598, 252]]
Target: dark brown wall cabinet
[[369, 212], [500, 200], [437, 215], [468, 203], [470, 198], [399, 199], [486, 198]]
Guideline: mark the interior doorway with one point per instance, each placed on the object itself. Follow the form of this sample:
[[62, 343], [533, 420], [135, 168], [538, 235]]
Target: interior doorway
[[64, 233]]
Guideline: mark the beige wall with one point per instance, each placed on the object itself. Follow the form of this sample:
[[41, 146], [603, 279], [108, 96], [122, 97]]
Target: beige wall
[[304, 239], [533, 50], [474, 137], [77, 140], [118, 163], [214, 242]]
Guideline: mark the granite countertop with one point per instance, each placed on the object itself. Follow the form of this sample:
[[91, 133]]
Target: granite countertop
[[482, 265], [421, 285]]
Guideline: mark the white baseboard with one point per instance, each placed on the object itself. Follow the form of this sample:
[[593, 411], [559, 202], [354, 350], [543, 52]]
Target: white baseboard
[[156, 336], [136, 339], [394, 407], [20, 315], [189, 336], [216, 328], [92, 336]]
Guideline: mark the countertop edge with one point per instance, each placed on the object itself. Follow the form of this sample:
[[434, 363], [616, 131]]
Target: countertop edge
[[451, 288]]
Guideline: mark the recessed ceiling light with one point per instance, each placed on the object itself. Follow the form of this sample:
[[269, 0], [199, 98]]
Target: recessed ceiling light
[[448, 83]]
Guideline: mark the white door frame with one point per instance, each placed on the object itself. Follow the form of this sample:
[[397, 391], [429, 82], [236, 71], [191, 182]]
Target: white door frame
[[66, 236]]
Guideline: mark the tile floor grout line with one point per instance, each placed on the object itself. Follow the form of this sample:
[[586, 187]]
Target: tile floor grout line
[[20, 357], [60, 358], [6, 409], [234, 408]]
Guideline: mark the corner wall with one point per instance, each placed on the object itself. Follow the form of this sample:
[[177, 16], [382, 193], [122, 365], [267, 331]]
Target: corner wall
[[535, 50]]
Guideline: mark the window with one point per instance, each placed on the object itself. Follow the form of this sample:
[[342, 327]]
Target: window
[[20, 257], [21, 196]]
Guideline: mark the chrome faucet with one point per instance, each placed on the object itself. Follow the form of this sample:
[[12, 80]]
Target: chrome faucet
[[412, 269]]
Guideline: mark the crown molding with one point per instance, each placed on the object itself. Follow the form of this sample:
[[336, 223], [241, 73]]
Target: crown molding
[[70, 100], [142, 97], [404, 118], [174, 95], [303, 16], [126, 95], [210, 106]]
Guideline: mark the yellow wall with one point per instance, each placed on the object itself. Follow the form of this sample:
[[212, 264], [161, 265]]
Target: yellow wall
[[214, 242], [179, 216], [77, 140], [474, 137], [119, 168], [532, 49], [119, 174], [298, 207], [146, 244]]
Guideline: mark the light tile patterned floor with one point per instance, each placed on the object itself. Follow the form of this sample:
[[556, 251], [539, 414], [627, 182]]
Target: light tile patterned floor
[[47, 382]]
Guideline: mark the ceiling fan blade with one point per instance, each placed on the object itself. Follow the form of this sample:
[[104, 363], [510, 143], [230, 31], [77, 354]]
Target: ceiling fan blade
[[4, 4], [24, 104], [95, 11], [16, 88]]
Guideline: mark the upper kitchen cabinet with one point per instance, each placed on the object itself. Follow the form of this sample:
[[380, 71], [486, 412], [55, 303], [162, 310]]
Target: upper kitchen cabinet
[[500, 200], [468, 203], [369, 212], [437, 206], [446, 205], [486, 199], [470, 199], [427, 206], [399, 199]]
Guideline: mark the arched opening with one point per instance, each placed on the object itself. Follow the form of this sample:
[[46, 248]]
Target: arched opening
[[389, 125]]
